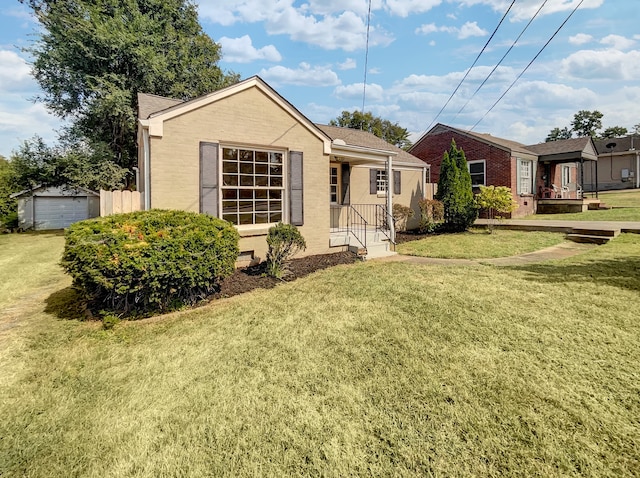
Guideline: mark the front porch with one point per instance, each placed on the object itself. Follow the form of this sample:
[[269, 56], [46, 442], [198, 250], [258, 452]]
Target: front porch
[[561, 205], [363, 228]]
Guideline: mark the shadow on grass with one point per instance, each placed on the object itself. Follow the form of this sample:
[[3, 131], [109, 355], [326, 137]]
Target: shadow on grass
[[623, 273], [66, 304]]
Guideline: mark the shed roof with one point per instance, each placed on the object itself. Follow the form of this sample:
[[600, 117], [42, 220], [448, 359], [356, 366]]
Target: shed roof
[[626, 143], [56, 191]]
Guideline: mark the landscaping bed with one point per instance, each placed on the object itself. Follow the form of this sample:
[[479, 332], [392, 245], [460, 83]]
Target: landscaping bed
[[246, 279]]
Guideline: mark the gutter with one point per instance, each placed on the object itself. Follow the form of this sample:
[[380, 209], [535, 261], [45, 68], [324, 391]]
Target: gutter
[[147, 172]]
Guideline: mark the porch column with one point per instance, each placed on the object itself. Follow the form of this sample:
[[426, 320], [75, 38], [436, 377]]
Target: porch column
[[392, 231]]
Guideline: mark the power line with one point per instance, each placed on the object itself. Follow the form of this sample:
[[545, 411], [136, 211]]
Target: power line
[[501, 59], [527, 67], [471, 68], [366, 59]]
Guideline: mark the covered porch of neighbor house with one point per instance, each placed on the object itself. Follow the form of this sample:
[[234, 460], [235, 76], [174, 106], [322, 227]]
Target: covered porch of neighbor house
[[560, 178]]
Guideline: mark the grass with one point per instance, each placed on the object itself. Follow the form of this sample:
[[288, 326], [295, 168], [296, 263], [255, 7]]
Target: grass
[[407, 371], [625, 198], [479, 244]]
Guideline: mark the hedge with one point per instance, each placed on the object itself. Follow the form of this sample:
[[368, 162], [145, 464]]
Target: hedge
[[150, 260]]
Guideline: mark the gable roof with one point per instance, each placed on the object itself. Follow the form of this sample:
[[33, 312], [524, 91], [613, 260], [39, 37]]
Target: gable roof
[[72, 190], [149, 104], [170, 108], [580, 147], [364, 139], [502, 143]]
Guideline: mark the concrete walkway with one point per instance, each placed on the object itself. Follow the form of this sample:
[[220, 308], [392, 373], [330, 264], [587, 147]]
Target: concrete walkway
[[560, 251]]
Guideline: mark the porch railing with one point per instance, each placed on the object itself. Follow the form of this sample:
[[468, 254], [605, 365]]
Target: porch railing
[[358, 219]]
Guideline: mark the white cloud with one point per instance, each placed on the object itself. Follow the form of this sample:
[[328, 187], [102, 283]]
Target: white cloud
[[305, 75], [14, 72], [580, 39], [329, 7], [241, 50], [355, 91], [375, 71], [469, 29], [617, 42], [404, 8], [344, 29], [602, 65], [525, 9], [348, 64]]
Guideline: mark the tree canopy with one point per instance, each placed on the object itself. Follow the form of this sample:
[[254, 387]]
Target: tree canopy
[[92, 57], [587, 123], [391, 132]]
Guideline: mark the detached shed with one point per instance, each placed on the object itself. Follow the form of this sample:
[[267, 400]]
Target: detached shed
[[43, 208]]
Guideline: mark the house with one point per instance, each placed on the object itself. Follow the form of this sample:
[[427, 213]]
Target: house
[[43, 208], [247, 155], [618, 165], [545, 177], [491, 161]]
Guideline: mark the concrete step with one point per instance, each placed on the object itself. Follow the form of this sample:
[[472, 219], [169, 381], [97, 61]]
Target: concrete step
[[596, 232], [379, 249], [589, 239]]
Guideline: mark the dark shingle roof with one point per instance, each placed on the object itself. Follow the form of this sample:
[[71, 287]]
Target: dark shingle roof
[[364, 139], [627, 143], [561, 146]]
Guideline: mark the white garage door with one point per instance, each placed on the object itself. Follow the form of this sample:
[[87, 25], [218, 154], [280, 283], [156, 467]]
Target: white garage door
[[59, 212]]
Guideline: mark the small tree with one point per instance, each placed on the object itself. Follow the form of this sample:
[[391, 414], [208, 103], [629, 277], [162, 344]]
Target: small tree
[[431, 214], [455, 191], [284, 241], [495, 199]]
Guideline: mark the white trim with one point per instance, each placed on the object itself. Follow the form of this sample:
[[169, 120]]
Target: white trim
[[147, 168], [484, 170]]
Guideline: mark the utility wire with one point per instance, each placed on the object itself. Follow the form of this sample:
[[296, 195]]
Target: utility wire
[[471, 68], [501, 59], [366, 61], [527, 67]]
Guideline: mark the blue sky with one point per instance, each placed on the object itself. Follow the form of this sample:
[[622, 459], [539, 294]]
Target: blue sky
[[313, 53]]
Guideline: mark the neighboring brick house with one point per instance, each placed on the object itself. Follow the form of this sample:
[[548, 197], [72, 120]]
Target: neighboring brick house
[[491, 160], [541, 172]]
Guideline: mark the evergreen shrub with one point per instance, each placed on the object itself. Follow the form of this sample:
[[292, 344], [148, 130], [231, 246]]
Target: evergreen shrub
[[284, 241], [147, 261]]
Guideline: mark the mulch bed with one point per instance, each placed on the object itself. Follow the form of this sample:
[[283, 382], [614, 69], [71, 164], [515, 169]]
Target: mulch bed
[[254, 277], [407, 236]]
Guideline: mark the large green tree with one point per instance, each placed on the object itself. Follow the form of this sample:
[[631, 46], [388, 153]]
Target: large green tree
[[455, 190], [586, 123], [92, 57], [391, 132], [557, 134]]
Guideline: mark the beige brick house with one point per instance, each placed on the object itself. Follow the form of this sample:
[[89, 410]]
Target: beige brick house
[[246, 155]]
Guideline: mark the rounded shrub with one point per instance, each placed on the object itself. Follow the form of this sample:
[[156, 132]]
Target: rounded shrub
[[149, 260]]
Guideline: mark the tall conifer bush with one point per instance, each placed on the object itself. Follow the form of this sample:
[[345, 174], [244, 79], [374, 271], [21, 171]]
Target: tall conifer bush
[[455, 191]]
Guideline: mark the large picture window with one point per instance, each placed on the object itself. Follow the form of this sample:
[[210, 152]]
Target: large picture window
[[252, 186], [477, 172]]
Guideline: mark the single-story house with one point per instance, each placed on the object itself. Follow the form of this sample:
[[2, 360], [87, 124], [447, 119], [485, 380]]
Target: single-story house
[[247, 155], [618, 165], [536, 174], [42, 208]]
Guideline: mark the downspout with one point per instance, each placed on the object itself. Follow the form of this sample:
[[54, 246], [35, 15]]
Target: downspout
[[147, 173], [390, 181], [637, 169], [424, 183]]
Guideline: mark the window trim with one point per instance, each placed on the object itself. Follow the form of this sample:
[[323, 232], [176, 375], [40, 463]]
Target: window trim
[[484, 172], [284, 199], [338, 177], [519, 165]]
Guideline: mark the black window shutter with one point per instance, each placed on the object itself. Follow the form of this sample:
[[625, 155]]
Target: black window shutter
[[209, 178], [373, 181], [346, 180], [296, 188], [397, 183]]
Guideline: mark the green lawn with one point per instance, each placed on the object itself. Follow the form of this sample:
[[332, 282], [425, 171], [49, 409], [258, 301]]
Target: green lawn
[[376, 369], [479, 244], [625, 198]]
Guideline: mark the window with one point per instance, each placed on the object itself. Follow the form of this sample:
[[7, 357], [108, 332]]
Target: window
[[333, 185], [381, 181], [252, 186], [476, 170], [566, 174], [525, 171]]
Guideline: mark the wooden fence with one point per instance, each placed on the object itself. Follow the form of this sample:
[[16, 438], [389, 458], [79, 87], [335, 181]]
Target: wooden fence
[[115, 202]]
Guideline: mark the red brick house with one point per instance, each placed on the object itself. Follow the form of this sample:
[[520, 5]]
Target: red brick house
[[545, 174], [491, 160]]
